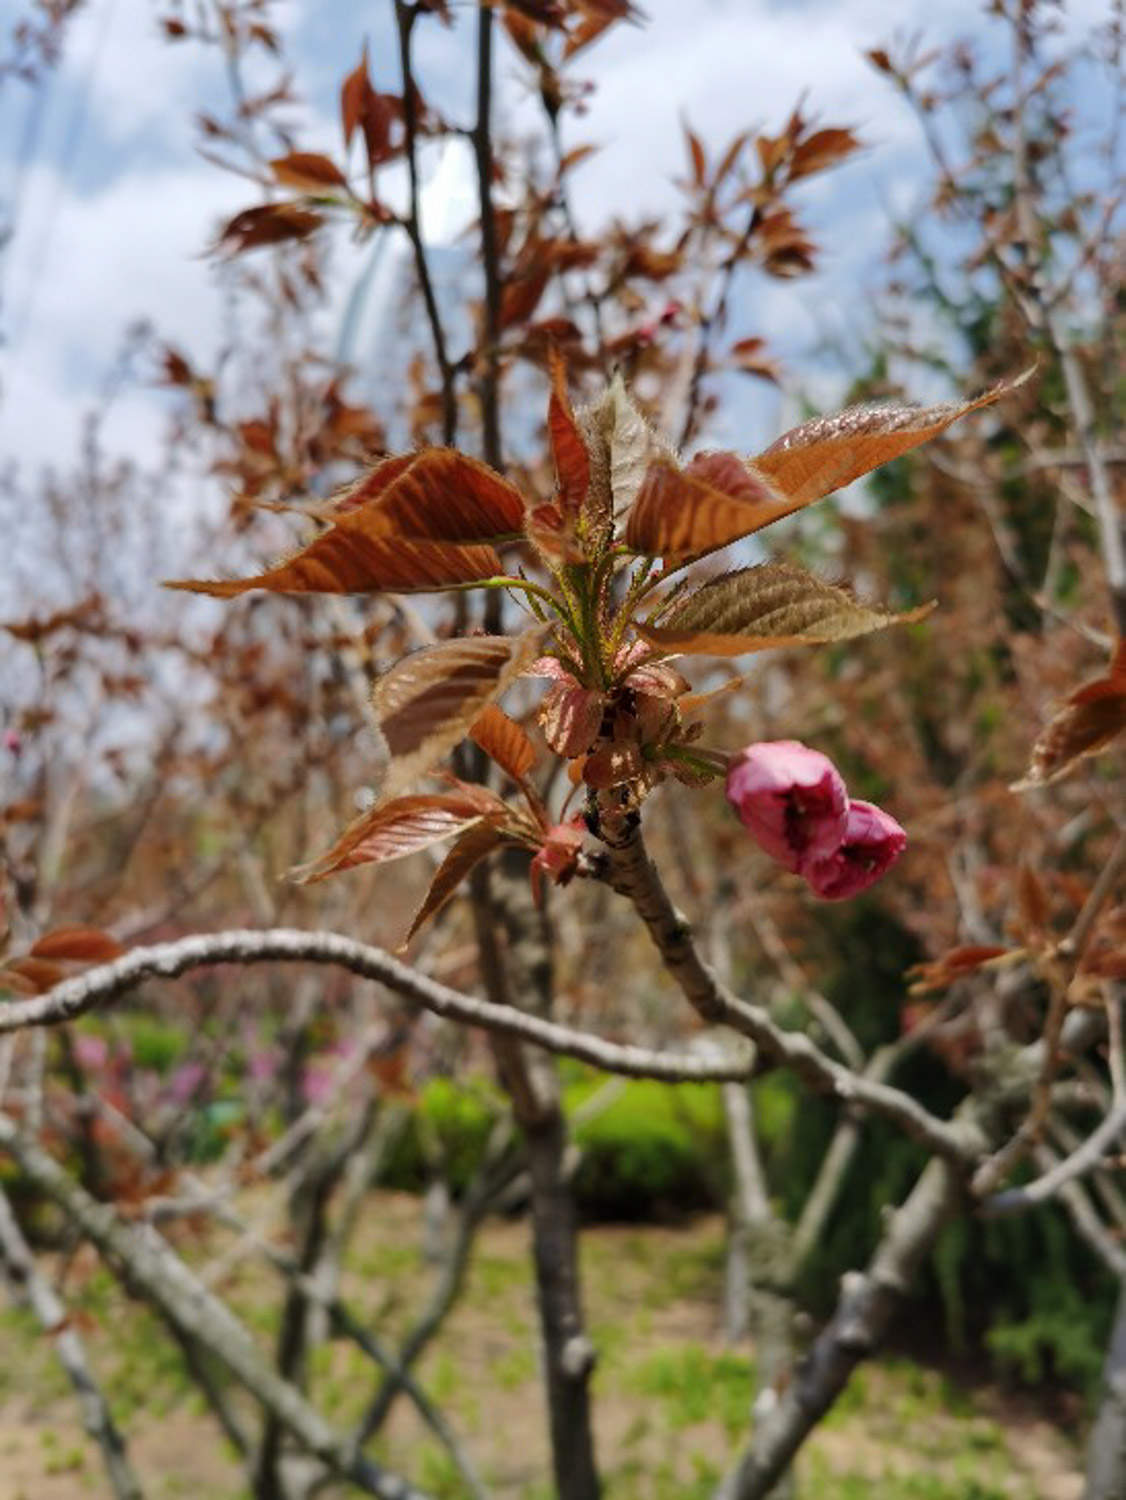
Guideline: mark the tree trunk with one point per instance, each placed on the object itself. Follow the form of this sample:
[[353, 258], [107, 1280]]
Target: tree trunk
[[1106, 1449], [522, 974]]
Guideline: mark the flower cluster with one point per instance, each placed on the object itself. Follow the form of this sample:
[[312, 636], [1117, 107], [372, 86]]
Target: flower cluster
[[794, 803]]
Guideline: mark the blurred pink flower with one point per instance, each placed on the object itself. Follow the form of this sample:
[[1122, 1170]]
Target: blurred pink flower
[[872, 843], [184, 1082], [791, 799], [91, 1052]]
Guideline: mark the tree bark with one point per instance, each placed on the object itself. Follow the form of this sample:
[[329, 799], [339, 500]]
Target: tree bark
[[1106, 1448], [523, 972]]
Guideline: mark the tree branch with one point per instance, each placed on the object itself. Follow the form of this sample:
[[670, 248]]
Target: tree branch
[[1084, 1159], [405, 17], [632, 874], [17, 1261], [149, 1265], [75, 997]]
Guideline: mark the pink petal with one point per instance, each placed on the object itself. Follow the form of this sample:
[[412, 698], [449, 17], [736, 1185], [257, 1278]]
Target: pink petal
[[872, 843], [792, 800]]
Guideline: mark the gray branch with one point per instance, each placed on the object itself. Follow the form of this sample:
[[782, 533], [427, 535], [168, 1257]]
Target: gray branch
[[1082, 1160], [149, 1265], [632, 874], [75, 997], [17, 1261]]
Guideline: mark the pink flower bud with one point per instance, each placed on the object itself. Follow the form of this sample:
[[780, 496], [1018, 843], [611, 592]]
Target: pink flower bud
[[872, 843], [790, 799]]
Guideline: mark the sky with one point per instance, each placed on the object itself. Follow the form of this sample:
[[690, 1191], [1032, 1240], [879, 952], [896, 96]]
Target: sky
[[111, 206]]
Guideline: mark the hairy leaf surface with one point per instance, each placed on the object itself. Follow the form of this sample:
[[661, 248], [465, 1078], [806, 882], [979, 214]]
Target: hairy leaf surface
[[715, 500], [826, 454], [774, 604], [357, 558]]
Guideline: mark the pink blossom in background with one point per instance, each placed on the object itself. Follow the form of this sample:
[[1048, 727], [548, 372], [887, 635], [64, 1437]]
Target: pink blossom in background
[[872, 843], [316, 1084], [90, 1052], [184, 1082], [791, 800], [262, 1065]]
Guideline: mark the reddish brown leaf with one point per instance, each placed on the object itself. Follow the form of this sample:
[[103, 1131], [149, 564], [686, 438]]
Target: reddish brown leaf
[[427, 702], [392, 830], [504, 741], [356, 556], [613, 764], [444, 496], [571, 717], [353, 96], [699, 160], [943, 971], [474, 845], [824, 148], [1093, 716], [268, 224], [363, 491], [572, 464], [33, 975], [80, 944], [715, 500], [830, 452], [520, 296], [307, 171]]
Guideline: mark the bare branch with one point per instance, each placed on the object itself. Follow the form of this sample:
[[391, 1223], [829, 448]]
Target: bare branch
[[17, 1261], [152, 1268], [868, 1302], [405, 16], [632, 873], [74, 997], [1082, 1160]]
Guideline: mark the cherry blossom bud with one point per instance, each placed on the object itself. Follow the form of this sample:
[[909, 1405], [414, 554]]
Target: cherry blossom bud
[[872, 843], [791, 799]]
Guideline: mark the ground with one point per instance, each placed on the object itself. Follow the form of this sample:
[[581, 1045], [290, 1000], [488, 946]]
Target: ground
[[670, 1400]]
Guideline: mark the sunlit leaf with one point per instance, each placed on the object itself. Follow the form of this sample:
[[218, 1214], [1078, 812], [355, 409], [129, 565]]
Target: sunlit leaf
[[616, 428], [445, 496], [504, 741], [79, 944], [474, 845], [715, 500], [571, 717], [821, 149], [572, 465], [1089, 720], [307, 171], [357, 556], [427, 702], [775, 604], [830, 452], [392, 830]]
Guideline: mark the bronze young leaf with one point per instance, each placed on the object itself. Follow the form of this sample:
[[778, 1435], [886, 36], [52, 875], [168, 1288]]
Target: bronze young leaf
[[715, 500], [445, 496], [774, 604], [427, 702], [504, 741], [358, 558], [474, 845], [826, 454], [403, 826], [1093, 716]]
